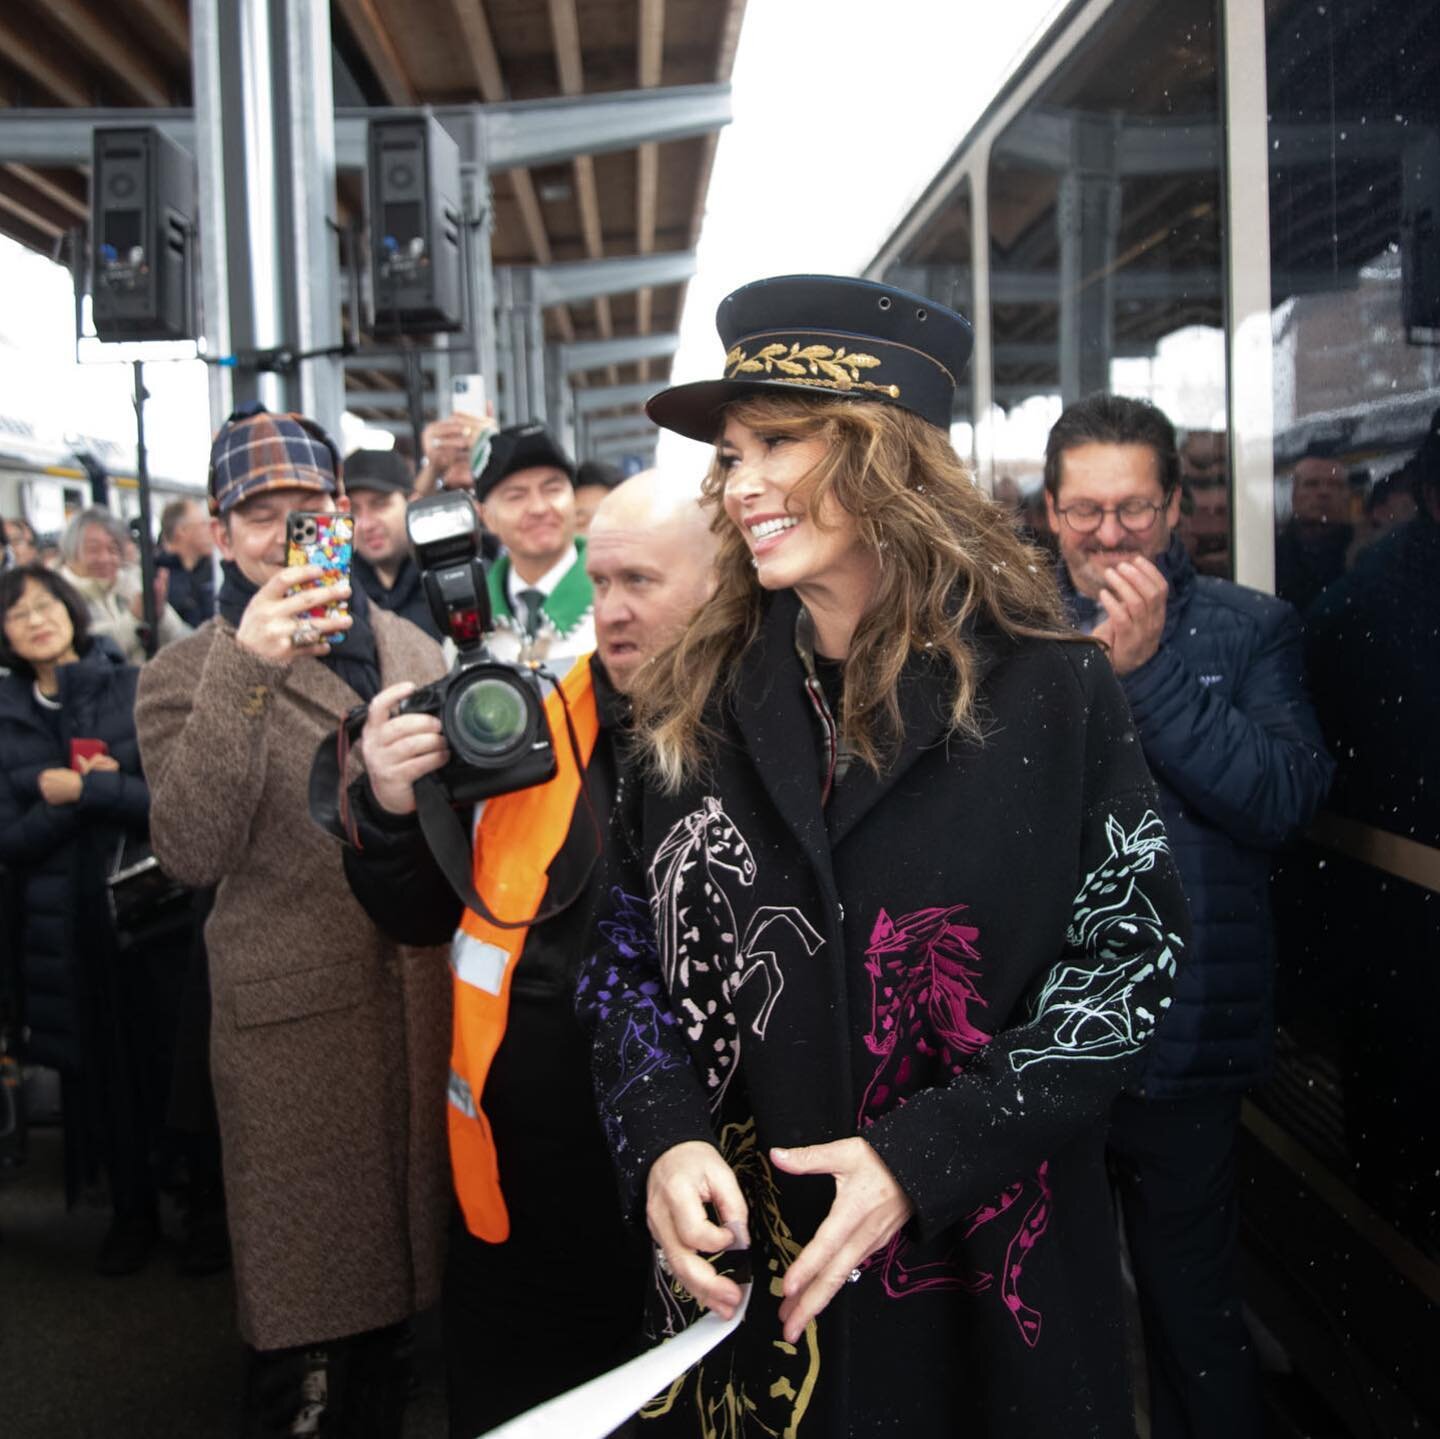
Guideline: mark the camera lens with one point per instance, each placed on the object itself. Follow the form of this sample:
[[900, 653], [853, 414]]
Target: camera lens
[[491, 717]]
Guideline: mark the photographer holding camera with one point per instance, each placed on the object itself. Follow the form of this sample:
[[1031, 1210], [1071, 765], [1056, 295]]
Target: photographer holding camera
[[537, 1200], [327, 1045]]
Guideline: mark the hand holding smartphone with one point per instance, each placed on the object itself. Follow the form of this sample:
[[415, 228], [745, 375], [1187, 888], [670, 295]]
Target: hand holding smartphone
[[326, 539]]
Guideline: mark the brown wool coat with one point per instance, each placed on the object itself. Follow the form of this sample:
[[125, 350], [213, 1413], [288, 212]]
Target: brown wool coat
[[330, 1044]]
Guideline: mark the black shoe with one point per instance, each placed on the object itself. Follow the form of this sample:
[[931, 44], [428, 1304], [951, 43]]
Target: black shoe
[[206, 1247], [127, 1244]]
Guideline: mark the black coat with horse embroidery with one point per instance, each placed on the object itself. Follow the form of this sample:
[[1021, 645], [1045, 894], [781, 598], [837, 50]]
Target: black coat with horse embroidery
[[961, 960]]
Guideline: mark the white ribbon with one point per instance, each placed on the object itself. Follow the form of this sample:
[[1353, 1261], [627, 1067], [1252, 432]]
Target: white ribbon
[[602, 1404]]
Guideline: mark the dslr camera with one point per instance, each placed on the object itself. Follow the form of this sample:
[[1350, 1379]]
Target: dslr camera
[[492, 713]]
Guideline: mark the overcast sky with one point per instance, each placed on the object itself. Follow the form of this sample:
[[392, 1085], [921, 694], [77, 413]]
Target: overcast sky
[[844, 110]]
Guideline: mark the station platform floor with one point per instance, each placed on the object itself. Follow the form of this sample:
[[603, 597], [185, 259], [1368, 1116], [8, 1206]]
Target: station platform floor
[[146, 1356]]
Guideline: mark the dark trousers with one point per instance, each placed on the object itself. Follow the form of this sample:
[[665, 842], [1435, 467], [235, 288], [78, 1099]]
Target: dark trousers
[[350, 1388], [518, 1331], [1172, 1162]]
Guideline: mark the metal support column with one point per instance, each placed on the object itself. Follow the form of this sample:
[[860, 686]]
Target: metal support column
[[560, 401], [508, 403], [1088, 216], [479, 270], [265, 153]]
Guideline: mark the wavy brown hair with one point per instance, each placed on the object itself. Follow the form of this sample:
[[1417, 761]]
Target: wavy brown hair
[[951, 558]]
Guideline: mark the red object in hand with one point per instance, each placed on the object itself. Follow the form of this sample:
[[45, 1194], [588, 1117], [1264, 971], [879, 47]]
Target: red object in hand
[[85, 749]]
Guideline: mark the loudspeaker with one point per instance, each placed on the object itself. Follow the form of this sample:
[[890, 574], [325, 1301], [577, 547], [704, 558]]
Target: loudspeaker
[[416, 216], [142, 205]]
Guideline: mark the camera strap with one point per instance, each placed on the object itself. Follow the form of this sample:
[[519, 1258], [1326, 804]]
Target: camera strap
[[439, 823], [450, 846]]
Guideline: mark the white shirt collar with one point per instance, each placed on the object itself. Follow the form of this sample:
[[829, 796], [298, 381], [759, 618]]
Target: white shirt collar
[[547, 582]]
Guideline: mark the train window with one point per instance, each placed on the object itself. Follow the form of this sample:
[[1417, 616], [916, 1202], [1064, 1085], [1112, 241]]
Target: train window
[[939, 263], [1354, 202], [1106, 241]]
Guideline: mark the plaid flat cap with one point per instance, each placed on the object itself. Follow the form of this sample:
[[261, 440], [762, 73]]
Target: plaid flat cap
[[255, 451]]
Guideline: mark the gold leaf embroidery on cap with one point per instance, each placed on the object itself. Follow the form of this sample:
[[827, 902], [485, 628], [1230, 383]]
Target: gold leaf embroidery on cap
[[809, 365]]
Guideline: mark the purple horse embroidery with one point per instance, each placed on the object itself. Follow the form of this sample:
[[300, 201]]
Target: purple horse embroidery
[[923, 969]]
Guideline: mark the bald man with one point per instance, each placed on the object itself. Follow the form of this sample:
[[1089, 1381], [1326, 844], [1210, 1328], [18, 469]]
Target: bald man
[[524, 1316]]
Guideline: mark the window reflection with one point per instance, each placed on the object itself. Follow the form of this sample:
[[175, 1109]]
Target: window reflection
[[1106, 244], [939, 263], [1355, 190]]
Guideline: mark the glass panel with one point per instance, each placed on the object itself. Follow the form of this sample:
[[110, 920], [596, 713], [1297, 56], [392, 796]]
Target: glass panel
[[1354, 196], [939, 264], [1106, 249]]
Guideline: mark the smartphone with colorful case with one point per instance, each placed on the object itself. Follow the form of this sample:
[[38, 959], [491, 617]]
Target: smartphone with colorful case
[[327, 539]]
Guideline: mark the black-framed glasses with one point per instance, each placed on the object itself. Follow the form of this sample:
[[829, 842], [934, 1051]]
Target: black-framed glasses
[[1085, 517]]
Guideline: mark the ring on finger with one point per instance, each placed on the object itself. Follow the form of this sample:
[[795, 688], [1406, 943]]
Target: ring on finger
[[853, 1277], [303, 635]]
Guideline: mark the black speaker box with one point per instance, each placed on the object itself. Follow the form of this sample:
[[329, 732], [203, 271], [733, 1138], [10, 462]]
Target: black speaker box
[[416, 220], [142, 208]]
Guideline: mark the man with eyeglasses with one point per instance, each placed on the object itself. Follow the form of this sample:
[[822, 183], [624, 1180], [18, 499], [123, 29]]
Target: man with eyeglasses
[[1212, 671]]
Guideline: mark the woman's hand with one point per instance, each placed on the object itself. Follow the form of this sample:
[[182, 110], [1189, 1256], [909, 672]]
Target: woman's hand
[[682, 1181], [97, 764], [60, 786], [267, 628], [399, 749], [869, 1210]]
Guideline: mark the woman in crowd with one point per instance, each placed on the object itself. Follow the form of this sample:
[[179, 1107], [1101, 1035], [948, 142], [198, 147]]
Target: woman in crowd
[[891, 917], [70, 791]]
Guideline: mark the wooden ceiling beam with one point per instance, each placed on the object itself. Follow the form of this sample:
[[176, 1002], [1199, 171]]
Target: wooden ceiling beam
[[570, 72], [56, 194], [170, 21], [490, 84], [112, 50], [649, 66], [480, 46], [21, 52], [31, 216], [366, 25]]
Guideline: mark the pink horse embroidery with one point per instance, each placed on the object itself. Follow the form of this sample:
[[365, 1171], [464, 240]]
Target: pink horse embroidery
[[923, 970]]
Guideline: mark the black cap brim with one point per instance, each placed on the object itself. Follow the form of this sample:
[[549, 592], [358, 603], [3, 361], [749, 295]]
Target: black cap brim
[[697, 410]]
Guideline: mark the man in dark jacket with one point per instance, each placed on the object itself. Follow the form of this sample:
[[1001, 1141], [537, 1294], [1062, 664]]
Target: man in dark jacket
[[379, 483], [188, 561], [1213, 673], [524, 1319]]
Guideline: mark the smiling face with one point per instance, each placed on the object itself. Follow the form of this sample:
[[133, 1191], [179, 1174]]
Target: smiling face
[[1110, 475], [532, 513], [38, 628], [98, 555], [790, 549]]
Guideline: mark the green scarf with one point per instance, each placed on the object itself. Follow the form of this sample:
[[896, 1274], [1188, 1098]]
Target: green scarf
[[565, 606]]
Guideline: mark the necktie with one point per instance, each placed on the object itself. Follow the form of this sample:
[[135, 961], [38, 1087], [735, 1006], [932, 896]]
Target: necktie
[[534, 602]]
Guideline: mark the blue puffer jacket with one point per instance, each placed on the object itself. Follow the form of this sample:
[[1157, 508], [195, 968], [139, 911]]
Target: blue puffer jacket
[[60, 854], [1237, 752]]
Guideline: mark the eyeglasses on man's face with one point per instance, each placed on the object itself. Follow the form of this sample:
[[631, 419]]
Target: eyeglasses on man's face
[[1085, 516]]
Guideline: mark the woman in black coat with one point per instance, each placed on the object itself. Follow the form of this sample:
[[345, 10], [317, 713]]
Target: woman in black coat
[[70, 791], [891, 919]]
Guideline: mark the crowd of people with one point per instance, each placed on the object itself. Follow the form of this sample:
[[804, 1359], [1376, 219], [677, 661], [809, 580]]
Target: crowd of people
[[898, 910]]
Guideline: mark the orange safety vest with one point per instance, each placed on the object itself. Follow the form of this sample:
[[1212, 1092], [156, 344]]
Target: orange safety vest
[[516, 839]]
